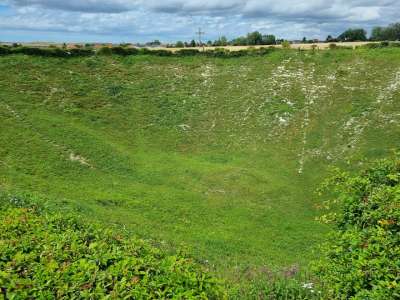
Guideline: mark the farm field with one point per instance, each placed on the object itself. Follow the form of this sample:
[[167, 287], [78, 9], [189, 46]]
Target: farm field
[[219, 156], [301, 46]]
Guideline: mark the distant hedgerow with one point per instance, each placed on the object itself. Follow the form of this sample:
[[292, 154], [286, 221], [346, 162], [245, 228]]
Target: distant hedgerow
[[129, 51]]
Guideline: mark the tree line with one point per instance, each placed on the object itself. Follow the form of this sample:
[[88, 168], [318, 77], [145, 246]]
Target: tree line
[[388, 33]]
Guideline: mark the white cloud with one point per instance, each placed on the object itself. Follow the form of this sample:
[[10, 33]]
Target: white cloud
[[140, 20], [93, 6]]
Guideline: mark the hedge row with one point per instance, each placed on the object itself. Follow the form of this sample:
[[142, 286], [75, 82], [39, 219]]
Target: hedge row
[[380, 45], [122, 51]]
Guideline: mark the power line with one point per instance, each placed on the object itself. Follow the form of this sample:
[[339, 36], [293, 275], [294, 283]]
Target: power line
[[200, 34]]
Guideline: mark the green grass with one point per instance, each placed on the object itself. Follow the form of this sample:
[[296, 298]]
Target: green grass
[[196, 152]]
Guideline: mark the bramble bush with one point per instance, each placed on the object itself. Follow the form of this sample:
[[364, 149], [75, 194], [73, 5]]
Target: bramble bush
[[361, 260], [50, 256]]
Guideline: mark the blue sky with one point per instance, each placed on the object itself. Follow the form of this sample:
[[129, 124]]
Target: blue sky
[[172, 20]]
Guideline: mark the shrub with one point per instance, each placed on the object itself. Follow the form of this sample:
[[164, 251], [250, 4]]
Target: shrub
[[156, 52], [81, 52], [123, 51], [187, 52], [160, 52], [217, 52], [286, 45], [333, 46], [4, 50], [361, 260], [239, 53], [384, 44], [48, 255], [47, 52], [104, 51]]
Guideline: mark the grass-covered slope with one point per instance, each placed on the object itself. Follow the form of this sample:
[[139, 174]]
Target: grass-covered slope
[[222, 155], [47, 255]]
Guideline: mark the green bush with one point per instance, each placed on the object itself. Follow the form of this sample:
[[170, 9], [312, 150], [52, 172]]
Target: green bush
[[333, 46], [218, 52], [123, 51], [187, 52], [394, 44], [104, 51], [161, 52], [383, 44], [286, 45], [48, 255], [361, 260], [80, 52], [48, 52], [5, 50]]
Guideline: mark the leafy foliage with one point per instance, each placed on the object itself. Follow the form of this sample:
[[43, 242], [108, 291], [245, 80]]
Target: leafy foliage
[[362, 258], [353, 35], [286, 45], [47, 256], [389, 33]]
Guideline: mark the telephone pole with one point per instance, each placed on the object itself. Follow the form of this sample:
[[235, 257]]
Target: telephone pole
[[200, 34]]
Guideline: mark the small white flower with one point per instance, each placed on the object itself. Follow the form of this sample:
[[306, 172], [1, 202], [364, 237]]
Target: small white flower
[[308, 285]]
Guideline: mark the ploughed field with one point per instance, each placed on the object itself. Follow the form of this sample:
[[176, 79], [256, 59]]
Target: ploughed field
[[220, 156]]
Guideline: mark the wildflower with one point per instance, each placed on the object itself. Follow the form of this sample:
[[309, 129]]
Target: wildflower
[[308, 285]]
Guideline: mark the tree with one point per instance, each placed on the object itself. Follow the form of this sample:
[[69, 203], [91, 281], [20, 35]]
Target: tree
[[222, 41], [179, 44], [378, 34], [329, 39], [192, 43], [353, 34], [390, 33], [154, 43], [240, 41], [254, 38], [268, 39]]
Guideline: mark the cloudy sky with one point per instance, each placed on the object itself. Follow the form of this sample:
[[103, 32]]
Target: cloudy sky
[[171, 20]]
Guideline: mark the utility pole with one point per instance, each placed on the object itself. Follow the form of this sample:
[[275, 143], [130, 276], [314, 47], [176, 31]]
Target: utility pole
[[200, 33]]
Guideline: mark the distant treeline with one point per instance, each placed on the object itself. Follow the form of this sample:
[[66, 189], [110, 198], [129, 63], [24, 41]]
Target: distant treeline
[[389, 33]]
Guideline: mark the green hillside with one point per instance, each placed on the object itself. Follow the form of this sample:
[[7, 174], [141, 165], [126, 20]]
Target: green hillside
[[217, 155]]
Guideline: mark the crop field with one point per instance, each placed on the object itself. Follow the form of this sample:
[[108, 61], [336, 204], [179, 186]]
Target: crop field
[[218, 156], [302, 46]]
